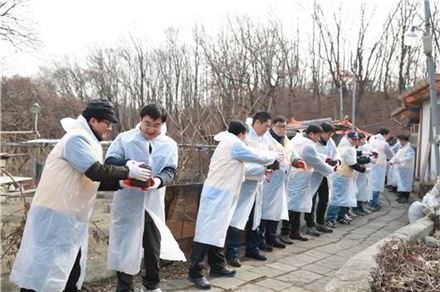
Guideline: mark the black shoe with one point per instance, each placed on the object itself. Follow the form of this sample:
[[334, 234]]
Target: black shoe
[[285, 239], [373, 208], [256, 256], [225, 272], [364, 212], [298, 236], [201, 283], [357, 212], [235, 262], [312, 231], [323, 228], [278, 244], [403, 200], [266, 247]]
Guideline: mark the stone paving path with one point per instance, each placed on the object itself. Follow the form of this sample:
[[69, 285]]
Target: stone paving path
[[310, 265]]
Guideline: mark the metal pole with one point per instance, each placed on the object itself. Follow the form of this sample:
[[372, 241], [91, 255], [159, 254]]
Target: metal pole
[[353, 105], [37, 134], [34, 161], [341, 105], [427, 44]]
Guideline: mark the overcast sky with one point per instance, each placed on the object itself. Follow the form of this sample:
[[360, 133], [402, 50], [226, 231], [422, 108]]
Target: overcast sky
[[71, 28]]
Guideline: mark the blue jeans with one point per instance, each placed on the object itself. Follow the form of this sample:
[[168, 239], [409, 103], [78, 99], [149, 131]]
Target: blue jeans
[[375, 200], [359, 207], [334, 212], [232, 243], [251, 237]]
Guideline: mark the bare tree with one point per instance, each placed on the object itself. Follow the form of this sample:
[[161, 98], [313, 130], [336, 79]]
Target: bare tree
[[15, 28]]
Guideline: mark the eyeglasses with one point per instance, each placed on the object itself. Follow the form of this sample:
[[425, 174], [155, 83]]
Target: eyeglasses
[[280, 126], [108, 123]]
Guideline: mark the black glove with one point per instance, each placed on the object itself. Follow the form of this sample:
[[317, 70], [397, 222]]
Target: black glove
[[274, 166], [363, 160], [332, 162]]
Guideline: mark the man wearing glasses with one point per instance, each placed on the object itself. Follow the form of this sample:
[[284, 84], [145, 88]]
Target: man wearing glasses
[[274, 207], [138, 216], [53, 251]]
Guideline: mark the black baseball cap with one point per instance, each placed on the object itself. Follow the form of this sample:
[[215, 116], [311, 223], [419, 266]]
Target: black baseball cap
[[353, 135], [100, 109]]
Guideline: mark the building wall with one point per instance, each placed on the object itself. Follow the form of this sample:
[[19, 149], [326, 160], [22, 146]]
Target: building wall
[[426, 173]]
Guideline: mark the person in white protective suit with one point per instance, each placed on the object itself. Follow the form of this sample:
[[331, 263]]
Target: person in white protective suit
[[137, 226], [343, 182], [247, 214], [274, 205], [404, 163], [327, 147], [378, 171], [53, 250], [218, 201], [363, 180], [391, 179], [299, 180]]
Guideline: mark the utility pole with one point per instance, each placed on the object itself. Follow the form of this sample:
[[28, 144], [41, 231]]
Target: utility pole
[[353, 99], [341, 102], [427, 48]]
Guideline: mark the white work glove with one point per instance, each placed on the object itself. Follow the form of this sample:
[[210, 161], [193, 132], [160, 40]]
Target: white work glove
[[280, 156], [156, 183], [137, 172]]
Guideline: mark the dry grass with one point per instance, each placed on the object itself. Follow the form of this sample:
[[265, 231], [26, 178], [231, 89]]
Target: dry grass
[[407, 266]]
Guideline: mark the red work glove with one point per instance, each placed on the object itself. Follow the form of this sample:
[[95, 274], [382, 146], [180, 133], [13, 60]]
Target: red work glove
[[301, 164], [134, 184], [154, 183]]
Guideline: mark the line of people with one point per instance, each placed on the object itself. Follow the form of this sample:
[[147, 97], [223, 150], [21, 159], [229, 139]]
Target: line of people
[[258, 177]]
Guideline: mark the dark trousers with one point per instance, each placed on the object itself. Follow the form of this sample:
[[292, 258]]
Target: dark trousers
[[322, 195], [151, 244], [232, 243], [251, 237], [292, 226], [268, 231], [73, 277], [216, 259]]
